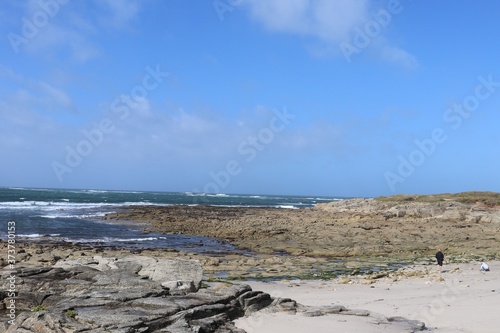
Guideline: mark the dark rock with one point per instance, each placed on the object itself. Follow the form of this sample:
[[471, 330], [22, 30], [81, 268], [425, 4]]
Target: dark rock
[[120, 300]]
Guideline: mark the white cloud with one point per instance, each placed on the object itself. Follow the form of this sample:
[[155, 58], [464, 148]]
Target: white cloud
[[66, 26], [70, 26], [22, 127], [55, 37], [192, 123], [329, 23], [122, 11], [399, 56], [41, 95], [286, 16], [328, 20], [56, 95], [178, 135], [335, 19]]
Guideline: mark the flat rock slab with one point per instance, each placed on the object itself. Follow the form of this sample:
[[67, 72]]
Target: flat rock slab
[[174, 274]]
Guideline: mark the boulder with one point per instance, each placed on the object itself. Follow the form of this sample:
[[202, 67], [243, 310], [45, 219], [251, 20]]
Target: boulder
[[175, 274], [178, 275]]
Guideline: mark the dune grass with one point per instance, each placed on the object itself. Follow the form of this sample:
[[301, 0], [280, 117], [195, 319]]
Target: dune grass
[[489, 199]]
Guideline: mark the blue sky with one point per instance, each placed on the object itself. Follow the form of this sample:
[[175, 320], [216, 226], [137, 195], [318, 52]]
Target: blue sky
[[312, 97]]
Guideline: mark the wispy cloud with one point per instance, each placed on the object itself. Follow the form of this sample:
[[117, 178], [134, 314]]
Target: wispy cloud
[[327, 20], [398, 56], [22, 128], [120, 12], [56, 95], [57, 38], [326, 24], [71, 27], [41, 95]]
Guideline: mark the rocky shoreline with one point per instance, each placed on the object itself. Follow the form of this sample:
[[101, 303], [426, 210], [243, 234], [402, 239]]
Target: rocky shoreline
[[344, 229], [144, 294], [333, 239], [77, 288], [345, 234]]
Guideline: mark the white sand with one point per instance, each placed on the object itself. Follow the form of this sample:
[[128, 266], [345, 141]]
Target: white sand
[[466, 301]]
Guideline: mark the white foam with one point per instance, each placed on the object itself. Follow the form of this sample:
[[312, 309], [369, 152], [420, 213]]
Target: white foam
[[111, 240], [201, 194], [287, 207], [52, 206], [76, 216], [30, 236]]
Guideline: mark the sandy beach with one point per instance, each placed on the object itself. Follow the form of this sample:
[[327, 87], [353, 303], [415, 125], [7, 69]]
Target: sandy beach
[[459, 299]]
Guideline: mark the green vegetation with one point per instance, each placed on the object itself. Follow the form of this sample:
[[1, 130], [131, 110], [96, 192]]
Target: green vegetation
[[489, 199], [327, 275], [71, 313], [224, 280], [39, 308]]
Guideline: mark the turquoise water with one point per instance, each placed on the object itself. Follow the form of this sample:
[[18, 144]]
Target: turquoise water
[[75, 216]]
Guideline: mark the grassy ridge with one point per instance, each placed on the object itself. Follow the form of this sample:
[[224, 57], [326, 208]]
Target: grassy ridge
[[489, 199]]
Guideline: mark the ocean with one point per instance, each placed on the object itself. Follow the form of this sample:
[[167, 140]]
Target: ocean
[[75, 216]]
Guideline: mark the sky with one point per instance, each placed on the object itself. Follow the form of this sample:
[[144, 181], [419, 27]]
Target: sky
[[356, 98]]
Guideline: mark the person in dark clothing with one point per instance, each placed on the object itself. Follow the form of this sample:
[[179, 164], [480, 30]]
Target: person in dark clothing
[[440, 258]]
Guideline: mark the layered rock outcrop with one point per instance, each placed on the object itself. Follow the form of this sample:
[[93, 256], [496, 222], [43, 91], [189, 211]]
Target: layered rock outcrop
[[112, 295], [356, 228], [177, 275]]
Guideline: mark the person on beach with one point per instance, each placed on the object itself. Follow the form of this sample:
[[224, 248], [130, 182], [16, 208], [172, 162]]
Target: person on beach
[[440, 259], [484, 267]]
